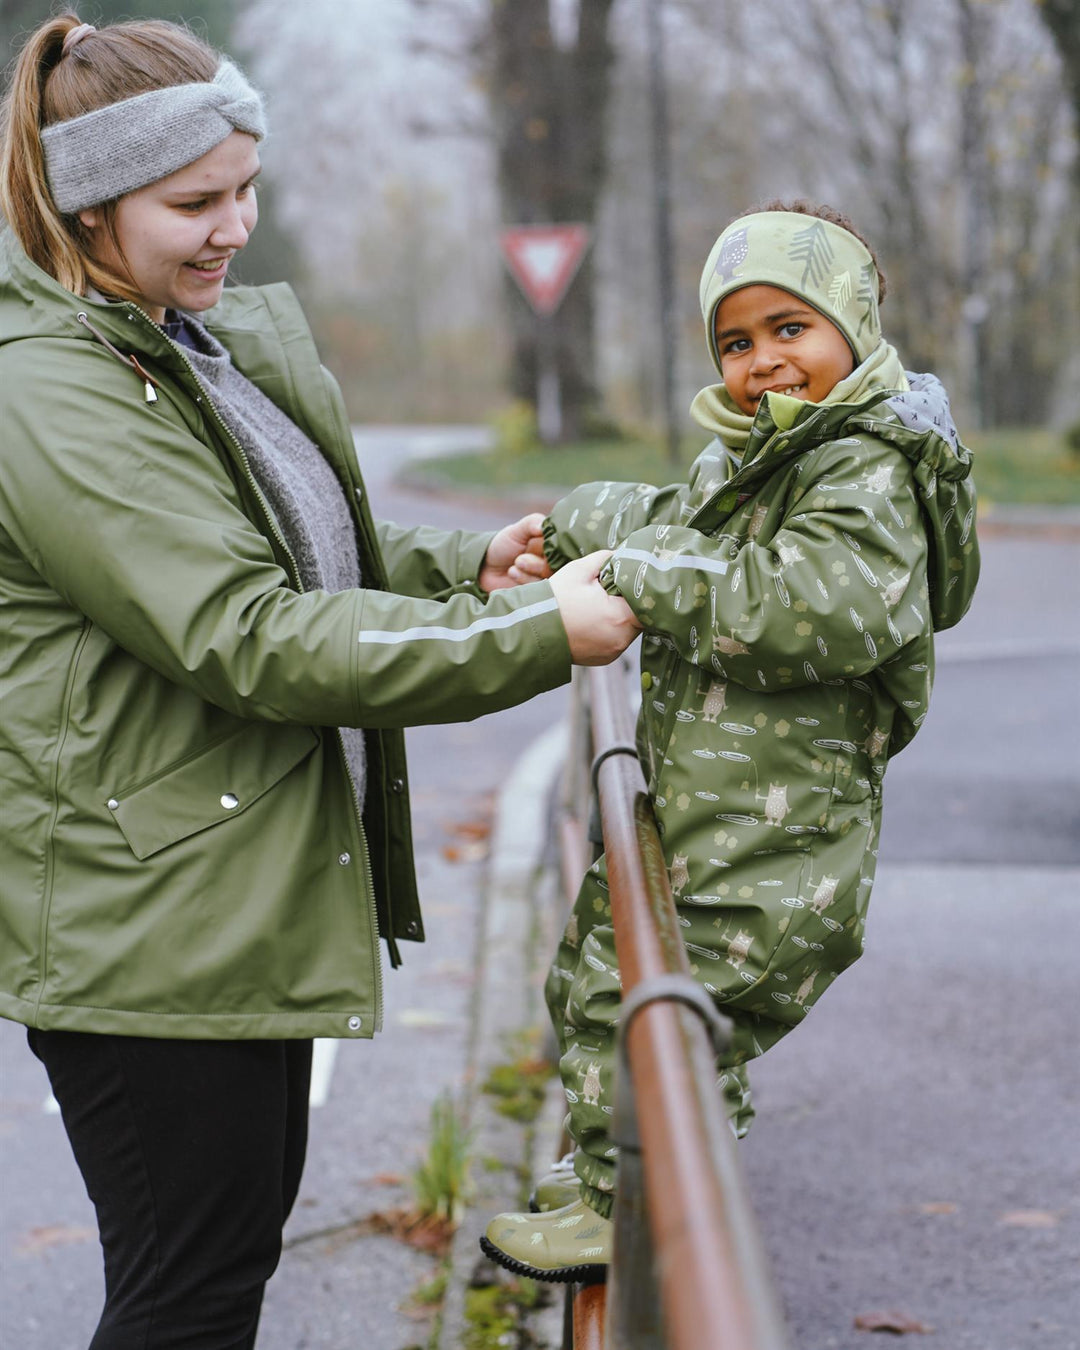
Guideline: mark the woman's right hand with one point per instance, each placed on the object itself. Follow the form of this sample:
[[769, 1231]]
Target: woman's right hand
[[599, 626]]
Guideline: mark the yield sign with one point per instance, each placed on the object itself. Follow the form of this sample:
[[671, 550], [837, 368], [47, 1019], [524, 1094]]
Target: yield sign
[[543, 260]]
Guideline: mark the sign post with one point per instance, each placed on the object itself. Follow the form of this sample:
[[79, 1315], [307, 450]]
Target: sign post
[[543, 260]]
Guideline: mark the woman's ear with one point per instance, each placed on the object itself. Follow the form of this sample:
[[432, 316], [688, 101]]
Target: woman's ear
[[90, 217]]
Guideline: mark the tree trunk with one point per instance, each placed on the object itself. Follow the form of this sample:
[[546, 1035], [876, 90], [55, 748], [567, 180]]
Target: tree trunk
[[1062, 17], [549, 104]]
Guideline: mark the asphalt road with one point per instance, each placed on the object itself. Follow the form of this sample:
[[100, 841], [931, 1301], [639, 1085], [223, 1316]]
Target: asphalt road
[[917, 1148], [917, 1141]]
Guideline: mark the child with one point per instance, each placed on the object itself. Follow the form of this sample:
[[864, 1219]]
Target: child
[[789, 594]]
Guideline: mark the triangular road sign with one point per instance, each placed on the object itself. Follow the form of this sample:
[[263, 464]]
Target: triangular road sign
[[543, 260]]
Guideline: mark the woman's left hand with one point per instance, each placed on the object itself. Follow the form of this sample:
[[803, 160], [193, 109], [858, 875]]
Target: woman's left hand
[[515, 555]]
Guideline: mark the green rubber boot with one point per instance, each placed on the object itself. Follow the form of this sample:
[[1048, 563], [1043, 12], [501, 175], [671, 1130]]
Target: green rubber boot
[[558, 1186], [572, 1244]]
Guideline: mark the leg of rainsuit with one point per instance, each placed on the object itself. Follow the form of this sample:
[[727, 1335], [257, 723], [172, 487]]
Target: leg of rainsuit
[[584, 994]]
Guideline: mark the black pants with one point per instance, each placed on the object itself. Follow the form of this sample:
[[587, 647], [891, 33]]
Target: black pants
[[192, 1153]]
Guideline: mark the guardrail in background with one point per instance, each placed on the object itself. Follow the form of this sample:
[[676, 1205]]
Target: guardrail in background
[[689, 1272]]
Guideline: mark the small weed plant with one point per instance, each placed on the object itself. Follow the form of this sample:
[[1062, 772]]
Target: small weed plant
[[520, 1084], [440, 1182]]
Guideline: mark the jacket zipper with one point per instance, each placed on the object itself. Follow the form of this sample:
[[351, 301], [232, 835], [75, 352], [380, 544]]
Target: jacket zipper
[[275, 530], [373, 921]]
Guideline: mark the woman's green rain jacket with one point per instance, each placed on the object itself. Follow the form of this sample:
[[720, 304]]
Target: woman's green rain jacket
[[180, 852], [789, 611]]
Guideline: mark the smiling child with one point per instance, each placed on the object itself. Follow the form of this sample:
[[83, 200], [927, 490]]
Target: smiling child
[[789, 593]]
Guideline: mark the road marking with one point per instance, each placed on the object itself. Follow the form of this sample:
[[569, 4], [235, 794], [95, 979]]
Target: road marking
[[323, 1054]]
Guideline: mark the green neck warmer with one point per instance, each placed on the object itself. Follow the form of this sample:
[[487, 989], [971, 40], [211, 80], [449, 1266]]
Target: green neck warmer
[[714, 410]]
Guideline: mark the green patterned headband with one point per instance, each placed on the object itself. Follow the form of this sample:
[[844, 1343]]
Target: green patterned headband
[[812, 258]]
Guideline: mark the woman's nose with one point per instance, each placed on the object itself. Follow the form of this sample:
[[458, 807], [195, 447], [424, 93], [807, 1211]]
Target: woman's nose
[[230, 230]]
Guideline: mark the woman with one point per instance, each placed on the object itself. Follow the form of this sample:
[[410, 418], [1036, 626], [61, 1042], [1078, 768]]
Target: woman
[[199, 845]]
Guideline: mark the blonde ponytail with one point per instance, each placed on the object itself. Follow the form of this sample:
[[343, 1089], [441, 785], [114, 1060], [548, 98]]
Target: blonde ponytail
[[24, 190]]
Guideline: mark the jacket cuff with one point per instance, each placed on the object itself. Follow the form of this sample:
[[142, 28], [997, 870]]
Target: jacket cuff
[[554, 666], [554, 554], [472, 559]]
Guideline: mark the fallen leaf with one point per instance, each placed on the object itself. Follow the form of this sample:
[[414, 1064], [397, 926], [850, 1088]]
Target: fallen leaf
[[465, 852], [424, 1232], [54, 1235], [938, 1207], [387, 1179], [899, 1324], [471, 829], [1030, 1218], [419, 1312]]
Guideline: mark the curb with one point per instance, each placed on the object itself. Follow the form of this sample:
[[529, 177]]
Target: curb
[[1029, 519], [506, 1000]]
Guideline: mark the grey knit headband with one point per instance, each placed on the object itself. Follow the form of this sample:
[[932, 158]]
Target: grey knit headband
[[103, 154]]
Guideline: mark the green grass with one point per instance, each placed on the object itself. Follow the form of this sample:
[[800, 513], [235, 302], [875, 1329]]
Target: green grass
[[1016, 465], [520, 1083], [556, 467], [494, 1313], [1011, 465]]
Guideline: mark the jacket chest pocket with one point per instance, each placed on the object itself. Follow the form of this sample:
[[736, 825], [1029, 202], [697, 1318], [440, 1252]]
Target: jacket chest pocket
[[215, 785]]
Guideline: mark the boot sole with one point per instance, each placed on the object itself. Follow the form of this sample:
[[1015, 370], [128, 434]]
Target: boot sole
[[586, 1274]]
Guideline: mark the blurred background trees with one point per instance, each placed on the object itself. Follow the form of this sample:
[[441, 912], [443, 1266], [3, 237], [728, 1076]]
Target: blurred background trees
[[405, 132]]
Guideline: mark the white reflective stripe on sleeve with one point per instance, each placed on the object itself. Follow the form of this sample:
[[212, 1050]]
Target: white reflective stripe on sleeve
[[461, 634], [663, 564]]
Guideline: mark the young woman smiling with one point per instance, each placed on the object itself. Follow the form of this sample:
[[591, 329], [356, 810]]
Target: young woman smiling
[[210, 649]]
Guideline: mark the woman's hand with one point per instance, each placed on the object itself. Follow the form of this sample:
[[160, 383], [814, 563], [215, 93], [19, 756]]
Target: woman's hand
[[599, 626], [515, 555]]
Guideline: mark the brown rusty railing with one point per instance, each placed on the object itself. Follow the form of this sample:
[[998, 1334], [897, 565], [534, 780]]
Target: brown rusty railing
[[689, 1271]]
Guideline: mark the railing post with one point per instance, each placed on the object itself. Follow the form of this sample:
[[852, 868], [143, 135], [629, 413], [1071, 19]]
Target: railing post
[[633, 1320]]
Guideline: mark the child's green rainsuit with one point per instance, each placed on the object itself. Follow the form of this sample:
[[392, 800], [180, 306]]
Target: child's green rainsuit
[[789, 607]]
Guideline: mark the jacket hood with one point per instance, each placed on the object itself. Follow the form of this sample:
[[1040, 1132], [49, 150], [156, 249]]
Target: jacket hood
[[34, 304], [919, 423]]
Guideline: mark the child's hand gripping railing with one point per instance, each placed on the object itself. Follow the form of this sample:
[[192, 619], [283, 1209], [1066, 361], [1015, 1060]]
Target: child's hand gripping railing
[[688, 1271]]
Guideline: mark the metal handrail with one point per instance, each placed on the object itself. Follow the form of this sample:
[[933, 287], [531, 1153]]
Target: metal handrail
[[693, 1276]]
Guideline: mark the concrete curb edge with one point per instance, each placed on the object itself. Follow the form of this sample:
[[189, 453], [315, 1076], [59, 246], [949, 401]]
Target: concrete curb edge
[[504, 982]]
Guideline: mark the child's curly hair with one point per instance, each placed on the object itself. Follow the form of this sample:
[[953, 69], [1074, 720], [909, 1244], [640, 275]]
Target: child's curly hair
[[802, 207]]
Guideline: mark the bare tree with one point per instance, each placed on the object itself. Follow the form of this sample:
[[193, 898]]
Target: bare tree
[[1062, 17], [942, 129], [549, 102]]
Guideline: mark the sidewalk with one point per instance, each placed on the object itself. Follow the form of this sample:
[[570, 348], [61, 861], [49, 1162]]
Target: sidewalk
[[517, 930]]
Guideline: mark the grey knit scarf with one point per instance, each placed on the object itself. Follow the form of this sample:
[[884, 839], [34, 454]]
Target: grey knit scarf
[[299, 485]]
